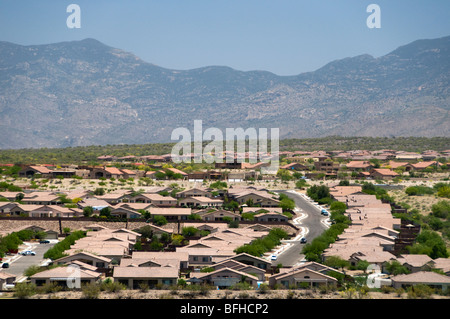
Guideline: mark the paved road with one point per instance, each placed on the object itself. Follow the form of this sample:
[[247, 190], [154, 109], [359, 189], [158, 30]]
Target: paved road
[[312, 225], [18, 263]]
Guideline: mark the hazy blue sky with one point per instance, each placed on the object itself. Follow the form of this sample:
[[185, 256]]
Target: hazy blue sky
[[285, 37]]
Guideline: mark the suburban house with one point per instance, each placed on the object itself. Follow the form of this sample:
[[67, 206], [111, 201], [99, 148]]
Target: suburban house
[[271, 217], [295, 167], [15, 209], [259, 198], [54, 211], [219, 215], [395, 165], [327, 166], [106, 172], [41, 198], [194, 192], [6, 279], [223, 278], [174, 259], [382, 173], [73, 275], [200, 201], [311, 265], [253, 261], [359, 165], [172, 213], [98, 262], [123, 212], [419, 166], [416, 263], [296, 277], [430, 278], [239, 176], [30, 171], [442, 264], [234, 264], [96, 204], [135, 277]]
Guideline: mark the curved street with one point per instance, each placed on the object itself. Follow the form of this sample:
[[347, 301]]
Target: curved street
[[311, 224]]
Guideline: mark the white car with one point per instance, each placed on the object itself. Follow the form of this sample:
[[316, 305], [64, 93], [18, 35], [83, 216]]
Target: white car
[[28, 253], [273, 257]]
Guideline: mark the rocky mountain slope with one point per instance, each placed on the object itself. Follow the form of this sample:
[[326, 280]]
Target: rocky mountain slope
[[87, 93]]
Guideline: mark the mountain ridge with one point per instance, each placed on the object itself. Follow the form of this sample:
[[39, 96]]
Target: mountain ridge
[[84, 92]]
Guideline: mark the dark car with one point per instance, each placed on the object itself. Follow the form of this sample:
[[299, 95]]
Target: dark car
[[303, 240], [5, 265], [44, 242]]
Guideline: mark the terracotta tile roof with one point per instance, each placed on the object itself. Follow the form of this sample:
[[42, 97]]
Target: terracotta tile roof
[[66, 272], [41, 169], [425, 277], [145, 272], [414, 260], [113, 170]]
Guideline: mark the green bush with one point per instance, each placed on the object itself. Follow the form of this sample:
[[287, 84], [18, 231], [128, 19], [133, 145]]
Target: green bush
[[57, 251], [24, 290], [260, 246], [441, 209], [90, 291]]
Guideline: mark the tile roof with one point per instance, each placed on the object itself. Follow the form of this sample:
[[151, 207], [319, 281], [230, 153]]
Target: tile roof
[[145, 272], [426, 277]]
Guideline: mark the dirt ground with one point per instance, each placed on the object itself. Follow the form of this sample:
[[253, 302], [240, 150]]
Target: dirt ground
[[220, 294]]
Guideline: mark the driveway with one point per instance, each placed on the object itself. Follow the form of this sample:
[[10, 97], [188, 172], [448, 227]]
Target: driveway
[[311, 223], [18, 263]]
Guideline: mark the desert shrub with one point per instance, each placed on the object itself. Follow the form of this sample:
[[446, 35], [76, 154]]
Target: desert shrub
[[90, 291], [24, 290]]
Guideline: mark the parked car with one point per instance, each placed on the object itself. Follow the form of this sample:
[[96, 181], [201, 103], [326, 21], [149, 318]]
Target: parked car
[[5, 265], [273, 257], [44, 242], [324, 212], [303, 240], [28, 253]]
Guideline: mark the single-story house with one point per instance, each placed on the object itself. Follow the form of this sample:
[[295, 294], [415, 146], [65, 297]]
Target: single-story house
[[303, 275], [314, 266], [55, 211], [416, 263], [234, 264], [422, 165], [359, 165], [6, 279], [12, 209], [71, 276], [252, 260], [295, 167], [223, 278], [123, 212], [271, 217], [158, 257], [219, 215], [87, 258], [171, 213], [262, 199], [195, 191], [41, 198], [30, 171], [135, 277], [429, 278], [442, 264], [200, 201], [382, 173], [95, 203]]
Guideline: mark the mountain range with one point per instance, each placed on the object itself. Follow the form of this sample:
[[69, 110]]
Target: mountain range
[[84, 92]]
